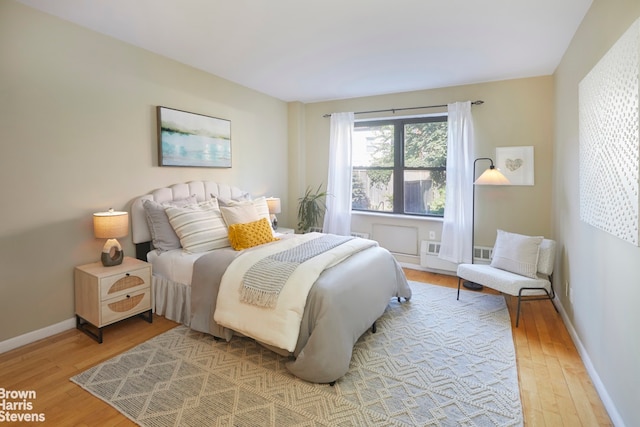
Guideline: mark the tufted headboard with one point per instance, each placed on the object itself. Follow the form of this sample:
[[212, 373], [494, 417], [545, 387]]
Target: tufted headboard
[[201, 189]]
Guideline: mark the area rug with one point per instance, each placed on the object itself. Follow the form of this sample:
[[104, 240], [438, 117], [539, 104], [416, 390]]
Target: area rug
[[434, 361]]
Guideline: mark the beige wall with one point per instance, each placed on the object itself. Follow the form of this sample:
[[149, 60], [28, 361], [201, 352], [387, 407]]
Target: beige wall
[[78, 136], [77, 114], [602, 271], [515, 113]]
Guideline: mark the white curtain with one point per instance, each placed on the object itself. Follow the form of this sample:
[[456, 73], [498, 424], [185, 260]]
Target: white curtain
[[337, 219], [458, 221]]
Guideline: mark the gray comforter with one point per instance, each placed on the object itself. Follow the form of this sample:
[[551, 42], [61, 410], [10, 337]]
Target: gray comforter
[[343, 303]]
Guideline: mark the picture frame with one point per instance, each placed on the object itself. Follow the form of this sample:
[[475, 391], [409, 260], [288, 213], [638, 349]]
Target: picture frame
[[192, 140], [517, 164]]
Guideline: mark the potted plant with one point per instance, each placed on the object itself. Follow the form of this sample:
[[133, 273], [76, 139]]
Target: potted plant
[[311, 208]]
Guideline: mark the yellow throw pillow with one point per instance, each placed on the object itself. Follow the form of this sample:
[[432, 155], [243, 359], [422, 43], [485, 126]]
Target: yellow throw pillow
[[250, 234]]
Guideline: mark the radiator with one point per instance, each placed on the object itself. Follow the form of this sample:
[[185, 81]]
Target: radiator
[[396, 239], [361, 235], [430, 249], [353, 233]]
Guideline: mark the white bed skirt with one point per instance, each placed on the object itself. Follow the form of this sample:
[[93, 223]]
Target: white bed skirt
[[172, 300]]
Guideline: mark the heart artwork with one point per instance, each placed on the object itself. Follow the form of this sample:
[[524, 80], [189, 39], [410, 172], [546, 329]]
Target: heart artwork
[[513, 164]]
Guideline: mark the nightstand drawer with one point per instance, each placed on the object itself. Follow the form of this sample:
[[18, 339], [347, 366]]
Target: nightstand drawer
[[127, 305], [123, 283]]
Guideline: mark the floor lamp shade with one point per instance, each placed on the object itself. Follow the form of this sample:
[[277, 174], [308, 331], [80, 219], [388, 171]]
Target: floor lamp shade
[[491, 176], [111, 225]]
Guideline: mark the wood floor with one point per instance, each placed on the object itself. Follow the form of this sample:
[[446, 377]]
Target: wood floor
[[554, 385]]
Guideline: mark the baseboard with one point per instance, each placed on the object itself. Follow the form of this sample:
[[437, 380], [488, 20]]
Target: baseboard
[[34, 336], [593, 374]]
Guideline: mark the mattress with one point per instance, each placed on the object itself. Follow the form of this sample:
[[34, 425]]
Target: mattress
[[172, 271], [175, 265], [172, 278]]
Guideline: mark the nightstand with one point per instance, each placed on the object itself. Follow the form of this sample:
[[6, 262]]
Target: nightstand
[[282, 230], [105, 295]]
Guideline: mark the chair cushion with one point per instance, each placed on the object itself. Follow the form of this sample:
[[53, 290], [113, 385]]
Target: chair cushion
[[547, 256], [502, 280], [517, 253]]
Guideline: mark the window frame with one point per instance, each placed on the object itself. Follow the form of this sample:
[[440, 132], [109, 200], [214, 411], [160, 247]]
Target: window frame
[[398, 169]]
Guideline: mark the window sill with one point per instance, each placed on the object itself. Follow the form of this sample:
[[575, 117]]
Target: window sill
[[398, 216]]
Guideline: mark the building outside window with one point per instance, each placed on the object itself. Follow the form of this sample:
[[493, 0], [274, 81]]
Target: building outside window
[[399, 165]]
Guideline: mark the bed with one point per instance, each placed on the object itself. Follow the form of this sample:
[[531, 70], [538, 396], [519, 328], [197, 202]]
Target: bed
[[345, 297]]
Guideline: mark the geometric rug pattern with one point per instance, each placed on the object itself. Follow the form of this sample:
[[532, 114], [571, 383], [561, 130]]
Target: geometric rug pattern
[[434, 361]]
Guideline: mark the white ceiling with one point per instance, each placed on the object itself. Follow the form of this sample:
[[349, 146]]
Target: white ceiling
[[312, 50]]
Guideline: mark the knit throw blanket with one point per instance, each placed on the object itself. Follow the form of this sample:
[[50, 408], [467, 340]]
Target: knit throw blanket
[[262, 283]]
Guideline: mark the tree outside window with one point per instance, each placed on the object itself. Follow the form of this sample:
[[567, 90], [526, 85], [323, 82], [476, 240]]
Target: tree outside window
[[399, 166]]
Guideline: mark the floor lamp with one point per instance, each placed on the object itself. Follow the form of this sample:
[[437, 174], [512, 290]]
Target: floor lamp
[[492, 176]]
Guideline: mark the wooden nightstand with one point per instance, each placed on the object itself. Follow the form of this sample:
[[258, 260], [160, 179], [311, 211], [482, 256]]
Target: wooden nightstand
[[105, 295]]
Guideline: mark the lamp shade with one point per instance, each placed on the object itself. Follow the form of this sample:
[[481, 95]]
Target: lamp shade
[[492, 176], [274, 205], [111, 224]]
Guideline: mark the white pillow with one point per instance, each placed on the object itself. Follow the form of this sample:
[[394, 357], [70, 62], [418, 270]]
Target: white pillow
[[259, 205], [163, 236], [262, 208], [200, 227], [517, 253], [239, 214], [222, 201]]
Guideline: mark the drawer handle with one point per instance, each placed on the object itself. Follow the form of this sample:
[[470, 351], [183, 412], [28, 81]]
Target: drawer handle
[[128, 296], [127, 274]]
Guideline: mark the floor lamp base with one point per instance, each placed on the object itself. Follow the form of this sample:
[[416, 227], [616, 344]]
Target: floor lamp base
[[472, 286]]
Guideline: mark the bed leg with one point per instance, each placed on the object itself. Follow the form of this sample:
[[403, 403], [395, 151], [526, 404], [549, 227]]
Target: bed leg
[[374, 328]]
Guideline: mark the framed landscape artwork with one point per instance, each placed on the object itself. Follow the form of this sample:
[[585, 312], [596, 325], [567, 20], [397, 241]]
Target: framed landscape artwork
[[516, 163], [193, 140]]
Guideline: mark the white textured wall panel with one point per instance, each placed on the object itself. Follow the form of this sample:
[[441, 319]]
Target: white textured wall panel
[[610, 139]]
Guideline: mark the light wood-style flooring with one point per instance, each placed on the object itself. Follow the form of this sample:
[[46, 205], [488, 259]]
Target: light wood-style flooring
[[555, 388], [554, 385]]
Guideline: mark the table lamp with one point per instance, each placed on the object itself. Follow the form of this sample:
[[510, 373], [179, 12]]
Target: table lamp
[[111, 225], [274, 208]]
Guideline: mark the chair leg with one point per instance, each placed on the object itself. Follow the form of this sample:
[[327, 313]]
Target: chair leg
[[459, 280], [550, 296]]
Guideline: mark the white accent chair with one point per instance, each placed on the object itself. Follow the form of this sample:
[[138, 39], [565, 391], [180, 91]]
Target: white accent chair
[[525, 288]]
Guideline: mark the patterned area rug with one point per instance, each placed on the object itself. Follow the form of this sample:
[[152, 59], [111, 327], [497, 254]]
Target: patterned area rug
[[434, 361]]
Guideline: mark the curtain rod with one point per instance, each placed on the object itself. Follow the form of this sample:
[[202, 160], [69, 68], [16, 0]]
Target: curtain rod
[[479, 102]]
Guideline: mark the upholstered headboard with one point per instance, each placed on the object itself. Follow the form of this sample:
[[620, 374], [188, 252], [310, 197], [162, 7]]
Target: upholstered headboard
[[201, 189]]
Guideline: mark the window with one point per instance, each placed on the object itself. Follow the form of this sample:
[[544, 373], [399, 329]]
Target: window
[[399, 166]]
